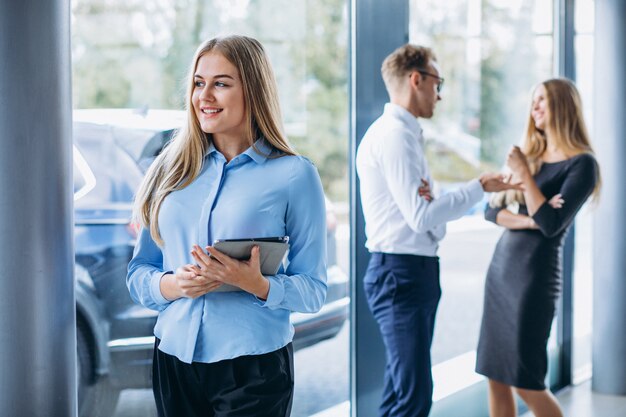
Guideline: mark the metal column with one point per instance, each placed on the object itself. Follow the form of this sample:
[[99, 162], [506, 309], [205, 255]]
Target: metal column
[[37, 310], [377, 28], [609, 308], [565, 66]]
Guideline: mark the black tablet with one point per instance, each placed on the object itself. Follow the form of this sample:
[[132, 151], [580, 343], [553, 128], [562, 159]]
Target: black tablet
[[273, 252]]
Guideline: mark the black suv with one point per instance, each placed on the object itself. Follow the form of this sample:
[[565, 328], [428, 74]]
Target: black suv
[[112, 150]]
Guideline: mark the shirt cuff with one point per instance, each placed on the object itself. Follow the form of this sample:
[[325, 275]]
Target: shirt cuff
[[475, 190], [276, 293], [155, 289]]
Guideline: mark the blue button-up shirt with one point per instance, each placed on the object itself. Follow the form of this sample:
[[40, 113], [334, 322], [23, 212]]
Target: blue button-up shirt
[[250, 196]]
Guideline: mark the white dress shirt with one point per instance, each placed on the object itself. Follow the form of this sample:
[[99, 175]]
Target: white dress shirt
[[390, 163]]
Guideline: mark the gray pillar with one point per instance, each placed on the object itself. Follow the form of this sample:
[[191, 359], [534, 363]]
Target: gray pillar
[[609, 307], [565, 64], [37, 311], [564, 33], [377, 28]]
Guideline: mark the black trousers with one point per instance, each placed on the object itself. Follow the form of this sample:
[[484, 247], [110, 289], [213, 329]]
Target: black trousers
[[247, 386], [403, 293]]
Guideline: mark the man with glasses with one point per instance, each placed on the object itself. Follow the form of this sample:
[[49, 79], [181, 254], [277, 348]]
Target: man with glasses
[[403, 225]]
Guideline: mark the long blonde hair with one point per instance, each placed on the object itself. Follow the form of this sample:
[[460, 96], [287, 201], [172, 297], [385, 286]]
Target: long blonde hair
[[567, 128], [181, 161]]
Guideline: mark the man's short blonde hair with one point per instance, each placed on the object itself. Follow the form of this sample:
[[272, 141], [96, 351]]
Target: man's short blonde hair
[[403, 60]]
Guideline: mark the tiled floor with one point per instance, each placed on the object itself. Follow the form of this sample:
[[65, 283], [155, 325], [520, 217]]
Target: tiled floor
[[577, 401], [580, 401]]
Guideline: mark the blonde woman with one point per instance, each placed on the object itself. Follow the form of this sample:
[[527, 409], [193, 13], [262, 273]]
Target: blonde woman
[[230, 173], [558, 171]]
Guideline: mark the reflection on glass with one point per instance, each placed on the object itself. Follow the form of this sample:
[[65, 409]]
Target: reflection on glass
[[491, 52], [583, 295], [582, 272], [584, 16]]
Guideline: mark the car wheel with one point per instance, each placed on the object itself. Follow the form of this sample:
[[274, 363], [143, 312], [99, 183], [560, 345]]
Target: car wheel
[[96, 396]]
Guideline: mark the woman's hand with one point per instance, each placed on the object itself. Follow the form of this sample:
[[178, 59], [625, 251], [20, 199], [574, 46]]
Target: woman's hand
[[243, 274], [556, 201], [534, 198], [424, 191], [187, 283], [516, 161]]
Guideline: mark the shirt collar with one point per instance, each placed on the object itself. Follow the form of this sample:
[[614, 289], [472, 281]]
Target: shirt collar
[[403, 115], [211, 149], [258, 152]]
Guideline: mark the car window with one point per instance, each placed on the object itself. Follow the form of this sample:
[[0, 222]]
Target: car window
[[133, 141], [142, 145], [117, 176]]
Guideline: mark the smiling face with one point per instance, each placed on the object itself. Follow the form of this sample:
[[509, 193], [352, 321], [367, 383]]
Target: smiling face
[[539, 110], [218, 98]]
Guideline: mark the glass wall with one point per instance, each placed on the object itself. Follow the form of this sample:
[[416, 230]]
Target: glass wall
[[134, 55], [491, 54]]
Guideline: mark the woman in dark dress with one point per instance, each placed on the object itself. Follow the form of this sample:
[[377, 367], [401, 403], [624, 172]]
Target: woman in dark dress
[[559, 172]]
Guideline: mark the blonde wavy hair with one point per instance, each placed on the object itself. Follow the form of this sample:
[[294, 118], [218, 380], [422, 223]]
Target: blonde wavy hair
[[567, 128], [181, 161]]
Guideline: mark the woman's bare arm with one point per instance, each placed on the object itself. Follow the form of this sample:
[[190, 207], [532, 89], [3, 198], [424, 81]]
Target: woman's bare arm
[[510, 220], [516, 160]]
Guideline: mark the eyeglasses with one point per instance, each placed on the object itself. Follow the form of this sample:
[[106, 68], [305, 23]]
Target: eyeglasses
[[440, 79]]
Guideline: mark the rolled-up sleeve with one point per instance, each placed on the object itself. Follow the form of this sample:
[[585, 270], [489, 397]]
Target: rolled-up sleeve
[[302, 287], [145, 271], [404, 167]]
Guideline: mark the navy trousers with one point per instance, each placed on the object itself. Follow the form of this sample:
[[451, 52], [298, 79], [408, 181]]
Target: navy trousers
[[403, 293]]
